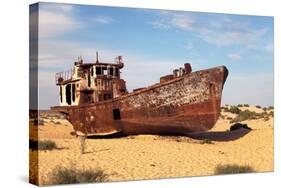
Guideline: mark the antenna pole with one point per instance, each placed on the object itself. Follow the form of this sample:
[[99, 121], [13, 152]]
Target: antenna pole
[[97, 56]]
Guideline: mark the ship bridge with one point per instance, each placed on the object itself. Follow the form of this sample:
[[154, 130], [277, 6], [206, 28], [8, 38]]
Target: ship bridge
[[91, 82]]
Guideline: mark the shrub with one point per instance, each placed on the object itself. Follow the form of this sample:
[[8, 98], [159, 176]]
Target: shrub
[[245, 115], [266, 118], [271, 113], [59, 116], [264, 109], [239, 105], [42, 145], [246, 105], [270, 108], [234, 110], [206, 141], [232, 169], [229, 118], [224, 108], [237, 126], [38, 122], [47, 145], [264, 113], [57, 122], [62, 175], [258, 106], [261, 115]]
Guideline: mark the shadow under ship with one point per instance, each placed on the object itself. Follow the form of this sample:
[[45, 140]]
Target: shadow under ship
[[96, 102]]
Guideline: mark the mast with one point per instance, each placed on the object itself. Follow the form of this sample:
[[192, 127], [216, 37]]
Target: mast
[[97, 57]]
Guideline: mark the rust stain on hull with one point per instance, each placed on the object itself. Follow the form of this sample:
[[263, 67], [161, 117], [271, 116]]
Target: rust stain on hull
[[189, 102]]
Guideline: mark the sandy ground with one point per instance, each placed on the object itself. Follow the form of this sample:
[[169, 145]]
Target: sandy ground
[[152, 156]]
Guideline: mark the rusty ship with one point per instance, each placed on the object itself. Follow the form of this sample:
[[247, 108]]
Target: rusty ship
[[95, 100]]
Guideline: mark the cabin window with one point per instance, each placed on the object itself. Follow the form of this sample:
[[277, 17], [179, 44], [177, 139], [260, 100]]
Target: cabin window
[[89, 80], [98, 70], [111, 71], [117, 72], [73, 92], [60, 94], [116, 114], [68, 94], [92, 71], [104, 70]]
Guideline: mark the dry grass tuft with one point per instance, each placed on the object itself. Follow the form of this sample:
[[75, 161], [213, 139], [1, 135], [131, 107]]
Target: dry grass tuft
[[207, 141], [232, 169], [42, 145], [71, 175]]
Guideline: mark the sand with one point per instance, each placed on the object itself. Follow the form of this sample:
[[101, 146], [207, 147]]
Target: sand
[[152, 156]]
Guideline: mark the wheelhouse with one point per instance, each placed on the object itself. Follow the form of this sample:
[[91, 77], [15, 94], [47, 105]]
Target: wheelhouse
[[91, 82]]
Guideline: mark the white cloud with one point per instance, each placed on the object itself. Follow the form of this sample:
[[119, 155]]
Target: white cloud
[[234, 56], [220, 32], [189, 46], [61, 54], [269, 47], [182, 21], [159, 24], [227, 38], [168, 20], [56, 7], [252, 46], [56, 20], [65, 7], [103, 19]]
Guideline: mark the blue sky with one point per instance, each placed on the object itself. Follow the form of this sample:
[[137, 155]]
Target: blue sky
[[154, 42]]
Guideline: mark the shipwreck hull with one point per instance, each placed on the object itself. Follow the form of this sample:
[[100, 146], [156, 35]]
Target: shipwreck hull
[[186, 120], [189, 103]]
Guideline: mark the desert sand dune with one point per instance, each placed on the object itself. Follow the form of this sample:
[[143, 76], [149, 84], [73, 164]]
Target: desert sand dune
[[152, 156]]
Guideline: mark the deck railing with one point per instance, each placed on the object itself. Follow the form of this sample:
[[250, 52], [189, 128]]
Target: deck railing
[[63, 76]]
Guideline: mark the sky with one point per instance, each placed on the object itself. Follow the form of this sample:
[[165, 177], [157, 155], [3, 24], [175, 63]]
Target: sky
[[153, 43]]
